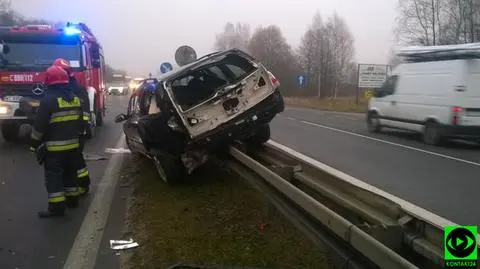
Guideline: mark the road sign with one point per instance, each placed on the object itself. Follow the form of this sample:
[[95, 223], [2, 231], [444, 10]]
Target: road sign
[[185, 55], [371, 75], [166, 67], [301, 80]]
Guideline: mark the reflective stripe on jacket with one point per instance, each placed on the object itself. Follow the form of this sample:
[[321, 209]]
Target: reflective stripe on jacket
[[59, 120]]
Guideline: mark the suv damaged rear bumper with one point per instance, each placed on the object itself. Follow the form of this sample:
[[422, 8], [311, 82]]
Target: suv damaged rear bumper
[[242, 126]]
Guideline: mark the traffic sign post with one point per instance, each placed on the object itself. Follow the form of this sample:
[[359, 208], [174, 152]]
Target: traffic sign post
[[301, 80], [185, 55], [369, 93], [166, 67], [370, 76]]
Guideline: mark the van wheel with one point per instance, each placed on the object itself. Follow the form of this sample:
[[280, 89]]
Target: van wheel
[[432, 134], [373, 122], [169, 168]]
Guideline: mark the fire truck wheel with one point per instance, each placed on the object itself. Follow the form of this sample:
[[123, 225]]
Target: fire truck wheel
[[10, 130], [91, 128], [99, 118]]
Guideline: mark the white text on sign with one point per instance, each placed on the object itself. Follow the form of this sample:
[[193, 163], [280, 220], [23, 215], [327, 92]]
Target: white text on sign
[[21, 78]]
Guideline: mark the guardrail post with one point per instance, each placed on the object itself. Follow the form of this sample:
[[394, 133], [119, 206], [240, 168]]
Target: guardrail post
[[285, 172], [391, 236]]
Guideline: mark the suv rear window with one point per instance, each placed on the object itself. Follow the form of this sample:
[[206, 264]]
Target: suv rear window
[[200, 85]]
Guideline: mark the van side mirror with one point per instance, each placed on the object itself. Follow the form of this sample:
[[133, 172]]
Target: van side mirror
[[380, 92], [5, 49], [120, 117], [95, 50]]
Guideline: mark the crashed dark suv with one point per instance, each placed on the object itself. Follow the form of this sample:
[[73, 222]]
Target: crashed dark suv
[[201, 107]]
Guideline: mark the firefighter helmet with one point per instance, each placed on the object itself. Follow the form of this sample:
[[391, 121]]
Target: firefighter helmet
[[62, 63], [56, 75]]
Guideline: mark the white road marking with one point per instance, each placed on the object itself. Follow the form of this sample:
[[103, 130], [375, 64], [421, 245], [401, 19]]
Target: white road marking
[[394, 144], [83, 254], [290, 118]]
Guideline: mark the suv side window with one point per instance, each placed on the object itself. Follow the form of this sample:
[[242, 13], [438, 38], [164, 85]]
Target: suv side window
[[218, 72], [133, 107], [236, 70], [388, 88]]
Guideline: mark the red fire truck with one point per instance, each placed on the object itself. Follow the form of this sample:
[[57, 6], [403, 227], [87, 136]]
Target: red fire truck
[[27, 52]]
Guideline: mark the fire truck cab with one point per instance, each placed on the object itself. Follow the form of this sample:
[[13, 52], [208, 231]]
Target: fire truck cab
[[27, 52]]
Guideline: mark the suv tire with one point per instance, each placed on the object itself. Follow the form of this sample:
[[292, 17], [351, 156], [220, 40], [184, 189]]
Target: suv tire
[[261, 135], [169, 168]]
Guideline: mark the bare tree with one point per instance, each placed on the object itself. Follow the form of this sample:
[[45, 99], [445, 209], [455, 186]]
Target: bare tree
[[311, 52], [326, 55], [233, 36], [393, 59], [341, 51], [438, 22], [8, 16], [270, 47]]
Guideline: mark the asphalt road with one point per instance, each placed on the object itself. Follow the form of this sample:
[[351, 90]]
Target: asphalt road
[[443, 180], [27, 242]]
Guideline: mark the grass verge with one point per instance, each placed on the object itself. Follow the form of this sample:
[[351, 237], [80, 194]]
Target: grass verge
[[211, 220], [343, 104]]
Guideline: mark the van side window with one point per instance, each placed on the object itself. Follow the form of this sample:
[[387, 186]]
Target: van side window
[[388, 88]]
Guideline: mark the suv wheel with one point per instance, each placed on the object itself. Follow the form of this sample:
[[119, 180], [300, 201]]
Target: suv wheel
[[261, 135], [432, 134], [169, 168], [373, 122]]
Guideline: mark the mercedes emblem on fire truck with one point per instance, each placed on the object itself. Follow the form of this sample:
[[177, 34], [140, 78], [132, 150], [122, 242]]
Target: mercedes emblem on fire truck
[[38, 89]]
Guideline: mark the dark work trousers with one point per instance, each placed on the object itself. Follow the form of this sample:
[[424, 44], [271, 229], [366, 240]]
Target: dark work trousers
[[82, 175], [60, 174]]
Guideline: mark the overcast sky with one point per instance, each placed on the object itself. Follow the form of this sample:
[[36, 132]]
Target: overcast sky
[[137, 35]]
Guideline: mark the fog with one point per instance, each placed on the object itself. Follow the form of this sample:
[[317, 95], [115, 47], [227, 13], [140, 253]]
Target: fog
[[138, 35]]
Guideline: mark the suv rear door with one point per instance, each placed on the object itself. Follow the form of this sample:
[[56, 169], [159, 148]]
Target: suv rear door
[[219, 91]]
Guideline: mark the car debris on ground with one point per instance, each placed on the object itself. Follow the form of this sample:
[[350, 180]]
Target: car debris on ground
[[123, 244]]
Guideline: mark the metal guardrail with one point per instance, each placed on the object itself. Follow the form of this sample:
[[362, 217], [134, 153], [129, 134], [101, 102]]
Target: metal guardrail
[[362, 226]]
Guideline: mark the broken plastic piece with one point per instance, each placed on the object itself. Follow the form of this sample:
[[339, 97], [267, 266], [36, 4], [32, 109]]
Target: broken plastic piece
[[117, 150], [126, 246], [93, 157], [123, 244]]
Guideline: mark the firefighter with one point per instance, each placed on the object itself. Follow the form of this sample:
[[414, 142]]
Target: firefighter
[[55, 137], [83, 177]]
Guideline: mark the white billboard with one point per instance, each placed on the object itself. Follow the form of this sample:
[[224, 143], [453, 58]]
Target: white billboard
[[372, 75]]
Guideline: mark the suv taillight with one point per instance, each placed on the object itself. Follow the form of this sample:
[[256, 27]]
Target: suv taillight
[[456, 110], [273, 78]]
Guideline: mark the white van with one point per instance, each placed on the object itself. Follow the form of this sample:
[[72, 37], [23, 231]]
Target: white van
[[438, 95]]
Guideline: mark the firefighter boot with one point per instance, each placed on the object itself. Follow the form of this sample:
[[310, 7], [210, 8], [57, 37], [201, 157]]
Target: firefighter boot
[[54, 210], [84, 188], [71, 201]]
